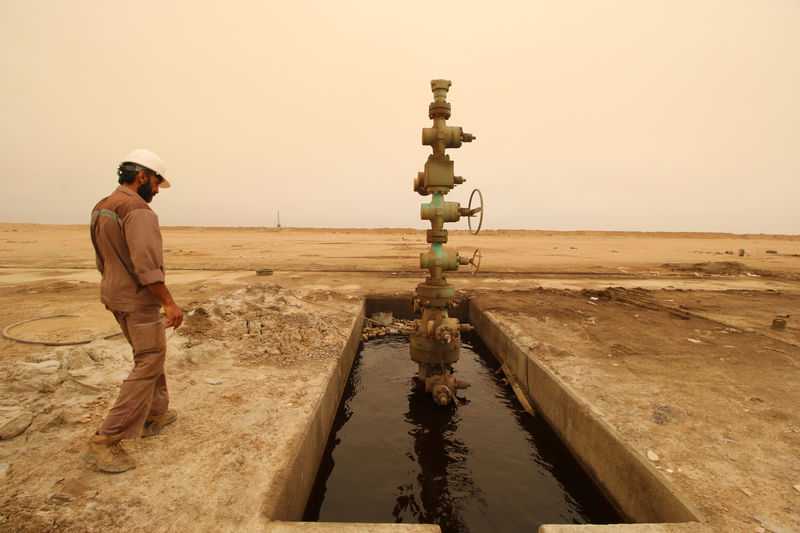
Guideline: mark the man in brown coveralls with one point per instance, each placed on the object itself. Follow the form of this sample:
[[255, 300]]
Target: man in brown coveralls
[[127, 243]]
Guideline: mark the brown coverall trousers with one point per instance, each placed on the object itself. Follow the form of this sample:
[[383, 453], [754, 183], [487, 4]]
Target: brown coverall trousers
[[144, 393]]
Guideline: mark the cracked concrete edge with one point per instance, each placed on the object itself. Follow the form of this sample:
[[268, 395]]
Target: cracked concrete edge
[[686, 527], [351, 527], [634, 486], [288, 493]]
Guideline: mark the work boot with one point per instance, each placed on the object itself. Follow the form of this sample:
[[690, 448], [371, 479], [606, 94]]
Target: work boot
[[153, 426], [106, 453]]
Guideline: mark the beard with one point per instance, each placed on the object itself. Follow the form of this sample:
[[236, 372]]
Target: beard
[[145, 191]]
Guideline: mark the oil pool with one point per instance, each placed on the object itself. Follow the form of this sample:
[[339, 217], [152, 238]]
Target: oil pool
[[479, 464]]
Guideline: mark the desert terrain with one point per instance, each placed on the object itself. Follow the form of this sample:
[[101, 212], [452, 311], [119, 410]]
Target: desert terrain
[[667, 336]]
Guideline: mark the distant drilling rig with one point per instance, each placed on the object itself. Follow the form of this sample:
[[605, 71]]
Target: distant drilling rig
[[436, 343]]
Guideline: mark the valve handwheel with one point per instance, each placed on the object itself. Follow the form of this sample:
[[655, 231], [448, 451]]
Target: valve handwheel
[[475, 262], [475, 211]]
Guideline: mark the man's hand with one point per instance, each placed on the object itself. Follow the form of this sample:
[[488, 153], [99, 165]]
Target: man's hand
[[173, 312]]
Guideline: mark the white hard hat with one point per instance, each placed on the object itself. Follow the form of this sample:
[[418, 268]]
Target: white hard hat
[[150, 160]]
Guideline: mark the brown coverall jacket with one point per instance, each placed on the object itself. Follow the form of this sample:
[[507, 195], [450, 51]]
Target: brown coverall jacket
[[128, 248]]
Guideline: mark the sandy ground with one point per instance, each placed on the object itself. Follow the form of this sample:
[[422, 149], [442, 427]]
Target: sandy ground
[[678, 357]]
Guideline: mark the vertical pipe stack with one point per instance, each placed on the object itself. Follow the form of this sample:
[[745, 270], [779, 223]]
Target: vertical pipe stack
[[436, 343]]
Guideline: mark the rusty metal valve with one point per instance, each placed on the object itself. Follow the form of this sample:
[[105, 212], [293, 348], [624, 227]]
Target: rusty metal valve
[[445, 137], [474, 261], [443, 388], [446, 212], [448, 260], [448, 330]]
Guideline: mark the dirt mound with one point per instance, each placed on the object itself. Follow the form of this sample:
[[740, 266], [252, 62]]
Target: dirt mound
[[720, 268], [728, 268], [271, 325]]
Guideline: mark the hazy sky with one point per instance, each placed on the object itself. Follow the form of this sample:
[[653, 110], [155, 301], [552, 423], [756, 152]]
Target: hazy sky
[[674, 115]]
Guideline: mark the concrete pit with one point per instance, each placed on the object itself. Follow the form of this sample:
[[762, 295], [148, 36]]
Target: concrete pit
[[640, 483]]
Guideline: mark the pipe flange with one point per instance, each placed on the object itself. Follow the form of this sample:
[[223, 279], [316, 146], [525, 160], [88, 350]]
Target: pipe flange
[[436, 236], [439, 109]]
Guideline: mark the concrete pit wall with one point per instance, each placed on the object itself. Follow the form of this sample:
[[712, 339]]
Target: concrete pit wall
[[293, 485], [638, 491]]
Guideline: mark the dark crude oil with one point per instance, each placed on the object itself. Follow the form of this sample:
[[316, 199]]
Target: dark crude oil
[[483, 466]]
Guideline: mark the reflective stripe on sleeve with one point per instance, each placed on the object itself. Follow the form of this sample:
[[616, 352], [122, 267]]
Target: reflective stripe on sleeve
[[106, 213]]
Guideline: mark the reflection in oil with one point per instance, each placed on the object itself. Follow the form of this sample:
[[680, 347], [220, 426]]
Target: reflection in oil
[[443, 481], [485, 465]]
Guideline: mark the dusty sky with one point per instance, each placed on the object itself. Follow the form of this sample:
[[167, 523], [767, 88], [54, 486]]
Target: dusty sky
[[674, 115]]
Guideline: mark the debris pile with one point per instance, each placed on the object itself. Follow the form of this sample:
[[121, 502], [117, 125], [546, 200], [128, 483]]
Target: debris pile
[[398, 326], [269, 325]]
